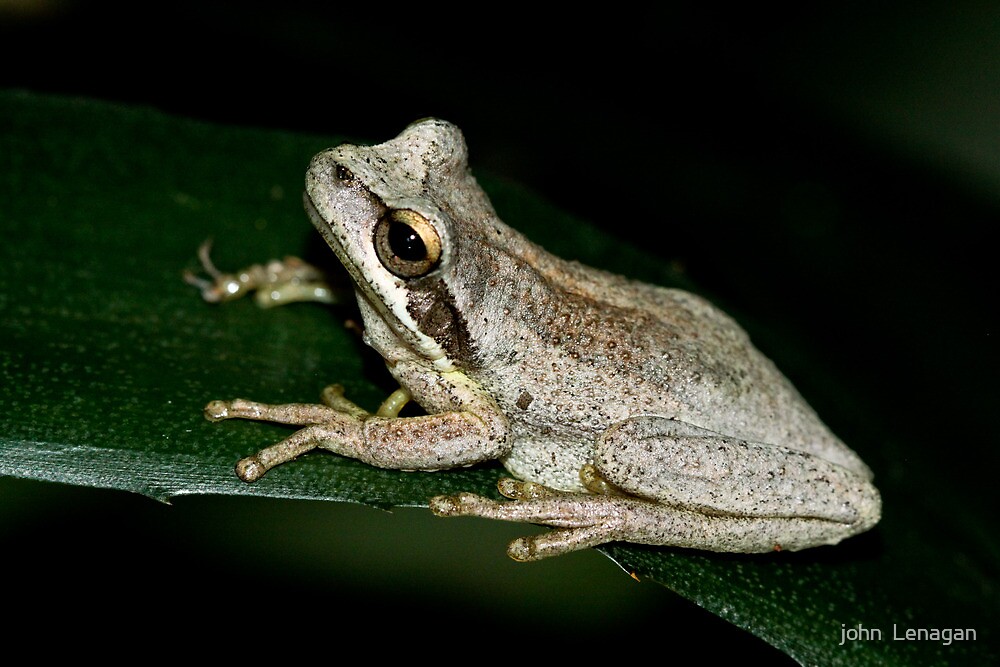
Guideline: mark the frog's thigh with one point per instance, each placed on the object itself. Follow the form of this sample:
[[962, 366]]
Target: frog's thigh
[[673, 463]]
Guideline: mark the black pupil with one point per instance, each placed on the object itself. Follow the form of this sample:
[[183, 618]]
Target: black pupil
[[406, 243]]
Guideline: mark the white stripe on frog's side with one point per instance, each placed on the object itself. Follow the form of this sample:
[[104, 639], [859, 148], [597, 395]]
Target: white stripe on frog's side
[[387, 299]]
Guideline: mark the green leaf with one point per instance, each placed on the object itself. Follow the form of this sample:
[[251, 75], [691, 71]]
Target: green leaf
[[108, 358]]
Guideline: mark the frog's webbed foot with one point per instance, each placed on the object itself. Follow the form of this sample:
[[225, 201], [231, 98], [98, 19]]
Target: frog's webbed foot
[[275, 283]]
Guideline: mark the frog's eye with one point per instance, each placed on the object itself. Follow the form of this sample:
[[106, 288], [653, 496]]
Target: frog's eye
[[343, 173], [407, 244]]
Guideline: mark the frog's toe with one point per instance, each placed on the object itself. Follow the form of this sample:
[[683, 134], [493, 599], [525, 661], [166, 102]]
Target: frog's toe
[[238, 408], [461, 504], [250, 469], [557, 542], [591, 478], [519, 490], [216, 411], [523, 550]]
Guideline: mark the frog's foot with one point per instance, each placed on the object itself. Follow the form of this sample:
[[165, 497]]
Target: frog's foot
[[538, 503], [516, 489], [322, 422], [581, 520], [275, 283]]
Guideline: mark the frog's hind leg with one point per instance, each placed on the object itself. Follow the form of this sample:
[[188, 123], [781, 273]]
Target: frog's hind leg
[[661, 482], [584, 520], [675, 464]]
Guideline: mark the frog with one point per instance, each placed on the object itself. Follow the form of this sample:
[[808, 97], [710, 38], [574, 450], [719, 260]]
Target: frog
[[622, 411]]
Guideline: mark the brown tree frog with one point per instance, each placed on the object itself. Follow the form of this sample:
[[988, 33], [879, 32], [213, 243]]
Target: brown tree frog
[[623, 411]]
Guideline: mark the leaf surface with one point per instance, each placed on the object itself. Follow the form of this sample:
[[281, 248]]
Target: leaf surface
[[108, 357]]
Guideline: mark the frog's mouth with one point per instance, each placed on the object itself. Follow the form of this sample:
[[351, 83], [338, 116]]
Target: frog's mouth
[[314, 215], [323, 227]]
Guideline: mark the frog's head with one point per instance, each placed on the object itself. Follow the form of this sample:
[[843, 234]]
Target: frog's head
[[393, 214]]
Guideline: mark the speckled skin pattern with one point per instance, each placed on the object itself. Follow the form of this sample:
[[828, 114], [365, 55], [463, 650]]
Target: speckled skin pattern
[[625, 411]]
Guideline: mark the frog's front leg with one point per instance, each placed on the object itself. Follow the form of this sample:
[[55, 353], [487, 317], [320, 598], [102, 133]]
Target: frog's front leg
[[475, 431], [276, 283], [682, 486]]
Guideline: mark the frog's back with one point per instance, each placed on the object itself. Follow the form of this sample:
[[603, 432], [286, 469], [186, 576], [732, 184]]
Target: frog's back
[[615, 348]]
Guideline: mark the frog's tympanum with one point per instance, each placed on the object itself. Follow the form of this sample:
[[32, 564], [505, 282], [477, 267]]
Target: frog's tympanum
[[623, 411]]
